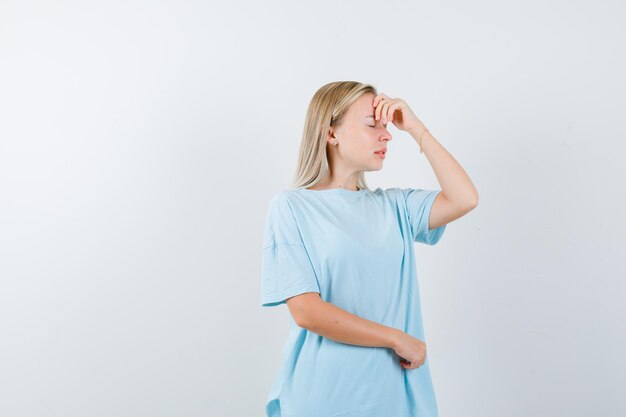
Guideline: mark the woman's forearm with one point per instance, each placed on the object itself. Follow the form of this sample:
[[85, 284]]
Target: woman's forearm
[[455, 183], [335, 323]]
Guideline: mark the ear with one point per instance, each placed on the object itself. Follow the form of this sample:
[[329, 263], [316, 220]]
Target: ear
[[330, 138]]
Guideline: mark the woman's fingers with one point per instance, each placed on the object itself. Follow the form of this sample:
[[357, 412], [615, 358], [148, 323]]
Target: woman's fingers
[[411, 365], [381, 109], [392, 109]]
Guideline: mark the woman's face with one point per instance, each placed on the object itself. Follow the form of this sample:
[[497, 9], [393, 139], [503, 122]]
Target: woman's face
[[359, 136]]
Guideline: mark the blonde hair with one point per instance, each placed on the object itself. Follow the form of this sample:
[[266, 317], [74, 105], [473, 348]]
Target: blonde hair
[[326, 109]]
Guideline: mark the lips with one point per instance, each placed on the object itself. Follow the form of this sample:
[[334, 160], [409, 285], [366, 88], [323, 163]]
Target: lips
[[383, 151]]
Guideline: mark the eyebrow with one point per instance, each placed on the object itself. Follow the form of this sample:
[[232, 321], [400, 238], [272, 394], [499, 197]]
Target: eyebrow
[[369, 115]]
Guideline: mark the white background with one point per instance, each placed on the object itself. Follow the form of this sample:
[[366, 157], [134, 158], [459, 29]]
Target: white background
[[140, 143]]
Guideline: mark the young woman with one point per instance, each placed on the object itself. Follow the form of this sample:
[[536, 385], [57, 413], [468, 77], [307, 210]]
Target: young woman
[[341, 256]]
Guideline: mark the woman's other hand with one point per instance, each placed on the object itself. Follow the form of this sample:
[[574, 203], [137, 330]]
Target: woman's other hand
[[411, 351]]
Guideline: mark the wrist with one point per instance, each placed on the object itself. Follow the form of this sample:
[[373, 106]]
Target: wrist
[[417, 131], [394, 338], [419, 136]]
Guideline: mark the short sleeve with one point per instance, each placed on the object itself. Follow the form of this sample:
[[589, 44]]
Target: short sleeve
[[286, 268], [418, 204]]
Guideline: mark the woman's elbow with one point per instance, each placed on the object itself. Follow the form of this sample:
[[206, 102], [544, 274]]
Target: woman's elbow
[[302, 307]]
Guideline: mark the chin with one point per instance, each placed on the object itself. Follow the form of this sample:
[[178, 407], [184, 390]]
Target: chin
[[378, 168]]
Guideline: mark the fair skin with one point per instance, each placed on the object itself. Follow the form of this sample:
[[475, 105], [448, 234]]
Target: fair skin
[[362, 132], [358, 136]]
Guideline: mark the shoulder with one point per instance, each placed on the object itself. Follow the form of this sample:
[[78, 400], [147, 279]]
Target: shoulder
[[402, 193], [410, 198], [393, 194], [282, 203], [283, 197]]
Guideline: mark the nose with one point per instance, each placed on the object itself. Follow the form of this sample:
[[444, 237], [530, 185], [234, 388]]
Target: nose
[[386, 135]]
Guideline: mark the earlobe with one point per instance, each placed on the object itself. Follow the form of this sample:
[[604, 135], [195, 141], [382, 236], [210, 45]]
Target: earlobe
[[331, 134]]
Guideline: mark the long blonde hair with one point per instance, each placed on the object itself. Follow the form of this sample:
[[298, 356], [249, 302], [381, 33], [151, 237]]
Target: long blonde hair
[[326, 109]]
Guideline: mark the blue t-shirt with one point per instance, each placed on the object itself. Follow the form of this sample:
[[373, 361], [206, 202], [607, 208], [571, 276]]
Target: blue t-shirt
[[356, 249]]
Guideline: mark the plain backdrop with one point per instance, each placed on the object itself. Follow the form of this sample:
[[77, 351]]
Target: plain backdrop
[[141, 141]]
